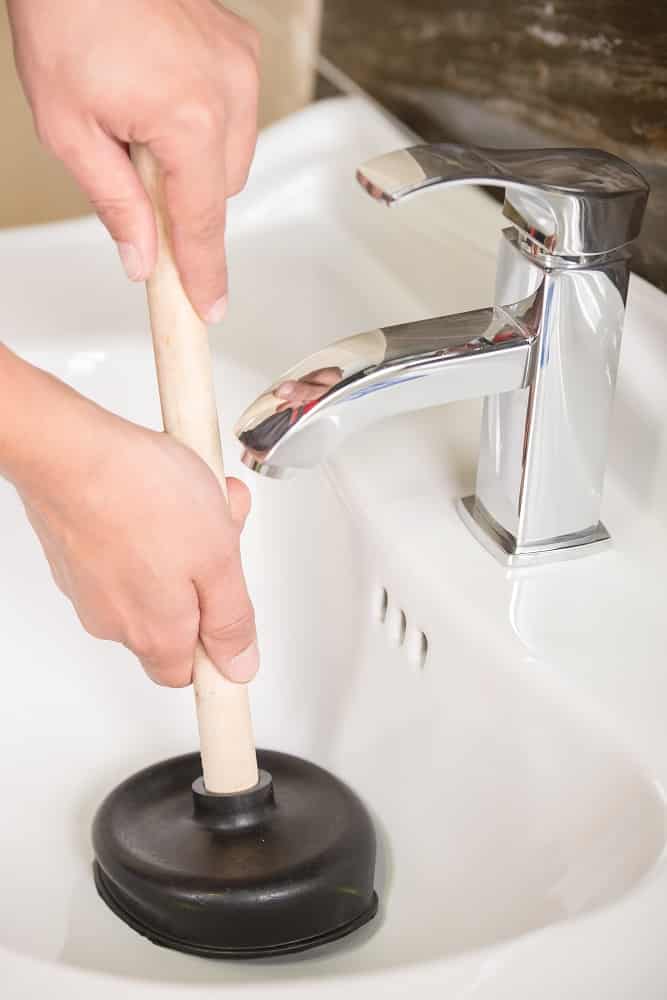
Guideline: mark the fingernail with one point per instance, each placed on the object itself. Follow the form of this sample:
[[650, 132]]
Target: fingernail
[[244, 666], [217, 310], [131, 260], [284, 390]]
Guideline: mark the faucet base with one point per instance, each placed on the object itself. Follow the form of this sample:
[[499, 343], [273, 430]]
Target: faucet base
[[503, 545]]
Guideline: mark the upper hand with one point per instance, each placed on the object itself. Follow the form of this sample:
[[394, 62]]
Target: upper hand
[[179, 76]]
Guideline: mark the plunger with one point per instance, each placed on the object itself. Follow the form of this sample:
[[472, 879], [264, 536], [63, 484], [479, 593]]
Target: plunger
[[231, 853]]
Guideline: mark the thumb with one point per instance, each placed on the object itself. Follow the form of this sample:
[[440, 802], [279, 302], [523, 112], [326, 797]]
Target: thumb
[[238, 497], [103, 169], [227, 622]]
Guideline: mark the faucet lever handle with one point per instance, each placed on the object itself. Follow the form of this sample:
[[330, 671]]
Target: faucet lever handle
[[569, 202]]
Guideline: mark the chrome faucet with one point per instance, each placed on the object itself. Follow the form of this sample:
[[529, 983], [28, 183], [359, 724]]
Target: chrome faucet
[[544, 357]]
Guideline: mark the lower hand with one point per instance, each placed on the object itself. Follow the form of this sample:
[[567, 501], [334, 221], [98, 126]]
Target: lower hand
[[139, 536]]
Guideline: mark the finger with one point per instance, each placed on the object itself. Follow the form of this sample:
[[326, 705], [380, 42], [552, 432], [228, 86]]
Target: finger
[[241, 70], [169, 672], [301, 392], [164, 635], [227, 621], [57, 574], [193, 166], [102, 167], [285, 389], [168, 659], [310, 386], [325, 376], [241, 134], [238, 496], [93, 619]]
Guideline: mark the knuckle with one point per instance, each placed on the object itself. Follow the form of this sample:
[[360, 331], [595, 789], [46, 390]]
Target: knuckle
[[98, 629], [206, 225], [239, 499], [252, 40], [159, 643], [199, 117], [57, 140], [44, 132], [246, 71], [109, 206], [182, 639], [238, 631], [58, 577], [44, 117], [241, 68], [239, 491], [238, 178], [180, 680], [145, 644], [172, 678], [223, 560]]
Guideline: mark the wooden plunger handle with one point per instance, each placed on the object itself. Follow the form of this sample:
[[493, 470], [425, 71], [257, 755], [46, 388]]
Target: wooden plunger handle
[[189, 413]]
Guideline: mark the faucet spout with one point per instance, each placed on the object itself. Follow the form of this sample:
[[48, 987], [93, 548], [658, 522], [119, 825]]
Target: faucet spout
[[354, 382], [545, 365]]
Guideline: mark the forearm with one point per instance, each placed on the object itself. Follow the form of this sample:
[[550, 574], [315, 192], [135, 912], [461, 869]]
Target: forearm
[[43, 427]]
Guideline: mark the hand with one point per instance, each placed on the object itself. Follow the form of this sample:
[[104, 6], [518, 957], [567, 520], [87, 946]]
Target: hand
[[181, 77], [137, 533], [308, 389]]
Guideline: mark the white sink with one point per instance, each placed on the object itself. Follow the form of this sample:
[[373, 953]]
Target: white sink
[[512, 744]]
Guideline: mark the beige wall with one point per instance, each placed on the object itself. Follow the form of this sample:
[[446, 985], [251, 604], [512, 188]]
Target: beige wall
[[35, 188], [290, 31]]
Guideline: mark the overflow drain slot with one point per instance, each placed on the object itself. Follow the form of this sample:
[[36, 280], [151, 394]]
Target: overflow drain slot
[[399, 631]]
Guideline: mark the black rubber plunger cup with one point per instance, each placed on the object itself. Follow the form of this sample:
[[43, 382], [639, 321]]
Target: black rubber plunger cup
[[282, 867]]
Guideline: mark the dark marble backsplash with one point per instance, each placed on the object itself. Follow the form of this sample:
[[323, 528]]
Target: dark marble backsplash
[[529, 72]]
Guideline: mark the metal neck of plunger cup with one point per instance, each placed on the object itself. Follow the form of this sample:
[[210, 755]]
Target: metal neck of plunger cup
[[232, 812]]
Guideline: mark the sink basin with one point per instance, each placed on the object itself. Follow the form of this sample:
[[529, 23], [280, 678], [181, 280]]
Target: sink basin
[[506, 728]]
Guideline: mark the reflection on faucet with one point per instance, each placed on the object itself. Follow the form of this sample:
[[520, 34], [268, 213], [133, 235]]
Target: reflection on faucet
[[309, 388], [298, 396], [358, 380]]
